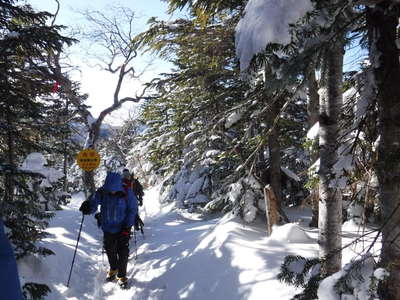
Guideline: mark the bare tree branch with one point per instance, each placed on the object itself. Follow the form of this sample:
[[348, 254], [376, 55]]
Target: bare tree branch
[[56, 13]]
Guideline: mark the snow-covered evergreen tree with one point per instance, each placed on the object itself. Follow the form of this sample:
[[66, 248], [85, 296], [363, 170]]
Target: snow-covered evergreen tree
[[27, 47]]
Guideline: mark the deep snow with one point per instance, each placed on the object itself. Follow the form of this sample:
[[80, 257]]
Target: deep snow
[[181, 256]]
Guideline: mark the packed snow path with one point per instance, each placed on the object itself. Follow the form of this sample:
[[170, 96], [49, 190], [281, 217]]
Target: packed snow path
[[181, 256]]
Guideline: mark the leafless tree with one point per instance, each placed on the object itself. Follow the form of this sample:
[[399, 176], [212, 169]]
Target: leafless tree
[[112, 50]]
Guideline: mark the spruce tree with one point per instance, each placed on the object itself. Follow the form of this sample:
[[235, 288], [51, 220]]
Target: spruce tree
[[206, 108], [27, 45], [383, 22]]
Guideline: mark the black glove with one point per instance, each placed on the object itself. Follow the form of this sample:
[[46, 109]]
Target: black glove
[[140, 201], [85, 207], [139, 223], [98, 219]]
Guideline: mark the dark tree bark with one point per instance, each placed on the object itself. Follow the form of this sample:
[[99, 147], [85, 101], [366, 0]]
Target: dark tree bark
[[273, 140], [9, 177], [382, 21], [275, 153]]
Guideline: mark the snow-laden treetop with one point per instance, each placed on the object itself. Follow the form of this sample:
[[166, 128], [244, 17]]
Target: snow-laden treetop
[[35, 162], [265, 22]]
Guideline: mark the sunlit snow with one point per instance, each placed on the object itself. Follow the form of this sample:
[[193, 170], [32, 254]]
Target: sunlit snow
[[180, 255]]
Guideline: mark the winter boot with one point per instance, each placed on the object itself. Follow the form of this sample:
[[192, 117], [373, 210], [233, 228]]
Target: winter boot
[[123, 282], [111, 275]]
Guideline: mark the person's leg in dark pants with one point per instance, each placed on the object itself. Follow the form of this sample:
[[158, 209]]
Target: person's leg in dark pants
[[110, 245], [123, 254]]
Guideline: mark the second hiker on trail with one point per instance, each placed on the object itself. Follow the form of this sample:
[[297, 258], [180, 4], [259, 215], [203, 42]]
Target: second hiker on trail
[[129, 180], [118, 210]]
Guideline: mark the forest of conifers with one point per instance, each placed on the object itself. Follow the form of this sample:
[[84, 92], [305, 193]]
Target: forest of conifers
[[316, 116]]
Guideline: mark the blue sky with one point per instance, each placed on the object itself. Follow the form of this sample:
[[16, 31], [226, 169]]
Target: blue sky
[[100, 85], [68, 13]]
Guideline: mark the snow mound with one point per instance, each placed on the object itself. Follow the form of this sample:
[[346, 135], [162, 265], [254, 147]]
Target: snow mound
[[353, 226], [291, 233], [35, 162]]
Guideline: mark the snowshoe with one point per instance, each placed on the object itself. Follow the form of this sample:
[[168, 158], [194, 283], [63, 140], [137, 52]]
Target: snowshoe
[[123, 282], [111, 275]]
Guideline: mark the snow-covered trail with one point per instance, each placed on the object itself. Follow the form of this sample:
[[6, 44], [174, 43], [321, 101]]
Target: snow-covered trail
[[181, 256]]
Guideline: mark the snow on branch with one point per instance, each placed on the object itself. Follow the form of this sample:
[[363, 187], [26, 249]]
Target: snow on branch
[[265, 22], [290, 174]]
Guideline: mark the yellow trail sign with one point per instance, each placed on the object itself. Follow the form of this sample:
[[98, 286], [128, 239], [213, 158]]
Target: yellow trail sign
[[88, 159]]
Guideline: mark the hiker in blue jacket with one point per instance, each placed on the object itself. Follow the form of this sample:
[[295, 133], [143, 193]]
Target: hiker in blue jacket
[[10, 288], [118, 210]]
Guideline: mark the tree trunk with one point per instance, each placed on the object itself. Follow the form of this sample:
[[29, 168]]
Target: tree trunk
[[275, 154], [65, 164], [330, 204], [273, 144], [271, 208], [91, 143], [382, 20], [88, 183], [9, 177], [10, 159], [312, 110]]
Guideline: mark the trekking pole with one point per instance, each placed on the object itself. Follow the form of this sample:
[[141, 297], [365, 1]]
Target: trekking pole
[[102, 255], [141, 229], [76, 248], [134, 239]]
